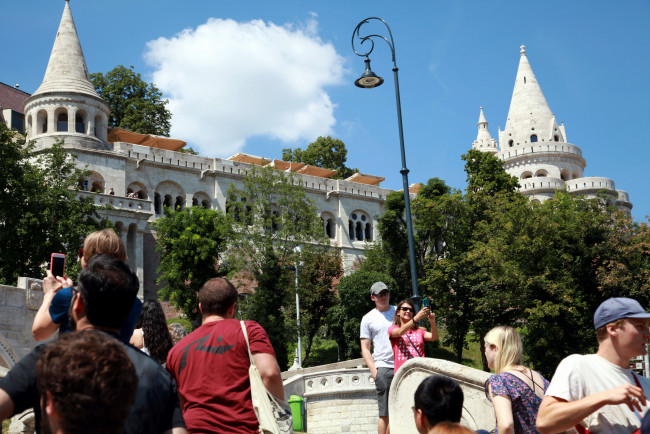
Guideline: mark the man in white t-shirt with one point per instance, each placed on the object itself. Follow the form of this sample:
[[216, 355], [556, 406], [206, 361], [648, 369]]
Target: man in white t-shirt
[[599, 391], [374, 326]]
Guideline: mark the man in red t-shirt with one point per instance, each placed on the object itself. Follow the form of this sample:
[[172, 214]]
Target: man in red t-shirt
[[211, 364]]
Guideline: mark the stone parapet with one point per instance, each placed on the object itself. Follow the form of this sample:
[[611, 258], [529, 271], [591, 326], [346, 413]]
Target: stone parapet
[[540, 184], [591, 184], [557, 148], [478, 412]]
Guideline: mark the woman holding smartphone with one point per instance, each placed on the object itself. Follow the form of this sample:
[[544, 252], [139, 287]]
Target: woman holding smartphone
[[406, 337]]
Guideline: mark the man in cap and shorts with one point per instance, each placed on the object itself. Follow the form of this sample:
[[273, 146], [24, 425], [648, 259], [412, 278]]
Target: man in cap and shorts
[[374, 326], [599, 392]]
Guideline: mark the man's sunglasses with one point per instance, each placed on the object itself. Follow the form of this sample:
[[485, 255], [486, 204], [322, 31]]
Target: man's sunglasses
[[383, 293], [407, 309]]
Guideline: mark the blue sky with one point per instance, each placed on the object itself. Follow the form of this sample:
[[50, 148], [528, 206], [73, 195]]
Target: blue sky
[[278, 74]]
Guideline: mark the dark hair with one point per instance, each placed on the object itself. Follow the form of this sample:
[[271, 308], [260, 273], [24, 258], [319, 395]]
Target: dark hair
[[216, 296], [396, 319], [154, 329], [108, 288], [91, 379], [440, 398]]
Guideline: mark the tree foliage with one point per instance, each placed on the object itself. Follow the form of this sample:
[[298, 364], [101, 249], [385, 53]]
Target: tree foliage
[[271, 215], [135, 104], [190, 243], [325, 152], [353, 303], [40, 212]]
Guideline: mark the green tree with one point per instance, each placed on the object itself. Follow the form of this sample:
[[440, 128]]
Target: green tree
[[271, 215], [317, 270], [135, 105], [40, 212], [190, 243], [325, 152], [354, 302]]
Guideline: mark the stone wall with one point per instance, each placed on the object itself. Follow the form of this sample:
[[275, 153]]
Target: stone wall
[[18, 306]]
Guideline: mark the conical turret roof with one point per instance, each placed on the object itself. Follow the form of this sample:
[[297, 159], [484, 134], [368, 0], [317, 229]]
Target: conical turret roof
[[66, 70], [484, 141], [529, 112]]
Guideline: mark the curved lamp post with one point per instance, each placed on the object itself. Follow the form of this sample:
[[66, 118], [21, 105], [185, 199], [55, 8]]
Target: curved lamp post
[[369, 80]]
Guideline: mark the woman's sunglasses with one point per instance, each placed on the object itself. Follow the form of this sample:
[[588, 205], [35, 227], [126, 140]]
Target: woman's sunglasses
[[407, 309]]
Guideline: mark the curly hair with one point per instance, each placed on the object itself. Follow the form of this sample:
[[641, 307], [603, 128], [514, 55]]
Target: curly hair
[[91, 380], [154, 328]]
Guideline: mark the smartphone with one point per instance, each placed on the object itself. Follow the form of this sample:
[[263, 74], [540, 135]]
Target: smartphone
[[57, 264], [426, 302]]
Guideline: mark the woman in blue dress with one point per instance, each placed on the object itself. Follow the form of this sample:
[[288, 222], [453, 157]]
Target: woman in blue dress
[[515, 390]]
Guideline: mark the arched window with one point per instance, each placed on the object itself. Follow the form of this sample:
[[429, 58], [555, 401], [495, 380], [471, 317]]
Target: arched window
[[359, 231], [205, 204], [329, 228], [533, 138], [62, 122], [179, 204], [168, 201], [156, 204], [351, 229], [195, 202], [79, 123], [510, 143], [556, 138], [526, 175], [368, 232]]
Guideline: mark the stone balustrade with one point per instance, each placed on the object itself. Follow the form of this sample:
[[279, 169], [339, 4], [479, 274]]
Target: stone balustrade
[[540, 183], [539, 148], [341, 397], [120, 202], [590, 183]]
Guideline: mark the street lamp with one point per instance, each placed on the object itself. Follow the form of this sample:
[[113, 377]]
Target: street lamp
[[368, 80], [296, 250]]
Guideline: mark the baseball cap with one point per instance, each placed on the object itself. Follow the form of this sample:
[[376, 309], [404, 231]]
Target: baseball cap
[[377, 287], [617, 308]]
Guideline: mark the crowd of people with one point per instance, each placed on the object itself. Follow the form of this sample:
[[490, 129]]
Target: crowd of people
[[595, 393], [116, 366]]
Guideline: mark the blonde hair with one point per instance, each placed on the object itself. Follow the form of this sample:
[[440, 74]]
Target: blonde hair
[[104, 242], [450, 428], [508, 343], [601, 333]]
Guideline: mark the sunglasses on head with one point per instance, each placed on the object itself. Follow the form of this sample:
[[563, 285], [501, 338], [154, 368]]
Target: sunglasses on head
[[407, 309]]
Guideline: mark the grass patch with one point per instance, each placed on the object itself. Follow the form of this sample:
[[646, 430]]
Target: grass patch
[[186, 323], [471, 355]]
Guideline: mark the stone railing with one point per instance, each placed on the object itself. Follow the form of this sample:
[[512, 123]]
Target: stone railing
[[341, 397], [478, 412], [590, 183], [540, 183], [528, 149], [120, 202]]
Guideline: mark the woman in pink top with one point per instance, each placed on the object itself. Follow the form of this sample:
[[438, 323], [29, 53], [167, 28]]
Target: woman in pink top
[[406, 338]]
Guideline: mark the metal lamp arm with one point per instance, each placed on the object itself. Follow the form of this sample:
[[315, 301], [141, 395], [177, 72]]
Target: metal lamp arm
[[390, 43]]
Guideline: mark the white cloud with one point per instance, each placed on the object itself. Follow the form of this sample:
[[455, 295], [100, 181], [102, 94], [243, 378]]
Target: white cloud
[[229, 81]]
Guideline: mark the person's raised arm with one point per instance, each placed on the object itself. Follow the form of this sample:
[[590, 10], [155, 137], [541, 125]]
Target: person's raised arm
[[270, 372], [367, 357], [43, 327], [433, 334], [557, 415]]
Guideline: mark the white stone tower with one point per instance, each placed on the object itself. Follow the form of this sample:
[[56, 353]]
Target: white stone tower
[[66, 105], [484, 141], [534, 148]]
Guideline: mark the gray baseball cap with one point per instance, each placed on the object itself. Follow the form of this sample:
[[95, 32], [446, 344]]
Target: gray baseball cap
[[377, 287], [617, 308]]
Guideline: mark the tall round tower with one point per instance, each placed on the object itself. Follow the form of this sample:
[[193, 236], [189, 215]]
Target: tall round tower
[[66, 105]]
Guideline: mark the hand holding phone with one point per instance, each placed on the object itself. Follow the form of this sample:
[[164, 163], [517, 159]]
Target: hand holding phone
[[57, 264], [426, 302]]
